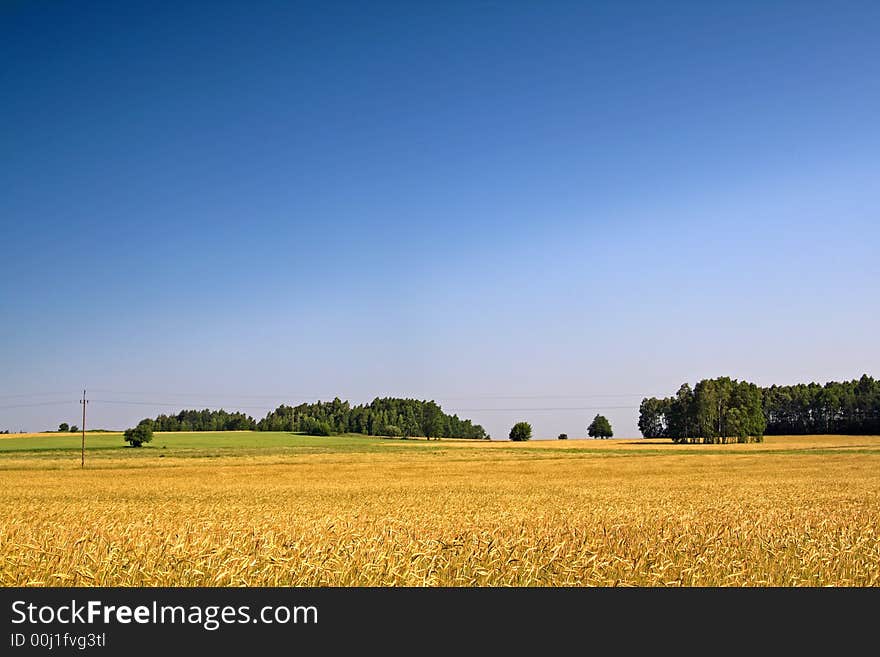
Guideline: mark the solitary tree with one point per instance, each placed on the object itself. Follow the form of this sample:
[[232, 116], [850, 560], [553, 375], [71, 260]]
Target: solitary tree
[[600, 427], [521, 431], [142, 433], [74, 429], [64, 427], [563, 436]]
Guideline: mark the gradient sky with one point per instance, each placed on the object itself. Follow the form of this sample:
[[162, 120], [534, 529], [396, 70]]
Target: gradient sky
[[498, 205]]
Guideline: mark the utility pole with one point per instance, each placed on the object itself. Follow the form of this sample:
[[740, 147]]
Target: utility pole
[[82, 458]]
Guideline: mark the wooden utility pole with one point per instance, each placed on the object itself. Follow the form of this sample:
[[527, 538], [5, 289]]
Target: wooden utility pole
[[82, 458]]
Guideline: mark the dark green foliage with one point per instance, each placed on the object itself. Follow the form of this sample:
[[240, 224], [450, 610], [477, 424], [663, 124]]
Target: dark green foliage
[[142, 433], [64, 427], [314, 427], [206, 420], [74, 429], [715, 411], [562, 436], [849, 407], [721, 410], [654, 416], [521, 431], [600, 427], [410, 416]]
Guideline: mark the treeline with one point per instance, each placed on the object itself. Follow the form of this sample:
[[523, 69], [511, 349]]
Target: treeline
[[848, 407], [206, 420], [382, 417], [387, 416], [719, 410]]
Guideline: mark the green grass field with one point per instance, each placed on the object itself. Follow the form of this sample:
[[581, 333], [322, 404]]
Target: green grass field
[[194, 444]]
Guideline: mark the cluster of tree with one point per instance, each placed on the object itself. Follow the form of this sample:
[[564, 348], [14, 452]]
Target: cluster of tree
[[206, 420], [848, 407], [67, 428], [387, 416], [718, 410]]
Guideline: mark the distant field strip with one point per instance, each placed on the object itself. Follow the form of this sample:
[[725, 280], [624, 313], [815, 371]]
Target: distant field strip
[[277, 509]]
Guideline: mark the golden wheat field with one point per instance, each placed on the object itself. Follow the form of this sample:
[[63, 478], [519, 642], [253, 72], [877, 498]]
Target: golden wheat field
[[792, 511]]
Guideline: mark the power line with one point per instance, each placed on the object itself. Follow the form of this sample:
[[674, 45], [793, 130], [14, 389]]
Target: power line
[[167, 404], [217, 394], [51, 403], [34, 394], [590, 396], [180, 404], [325, 395], [552, 408], [207, 405]]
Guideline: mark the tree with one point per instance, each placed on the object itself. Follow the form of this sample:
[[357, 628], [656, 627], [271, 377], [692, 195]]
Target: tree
[[562, 436], [723, 410], [600, 427], [64, 427], [74, 429], [846, 407], [521, 431], [434, 421], [411, 416], [391, 430], [142, 433], [314, 427], [654, 417]]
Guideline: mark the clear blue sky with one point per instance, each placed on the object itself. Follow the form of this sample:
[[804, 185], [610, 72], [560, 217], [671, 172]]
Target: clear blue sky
[[568, 204]]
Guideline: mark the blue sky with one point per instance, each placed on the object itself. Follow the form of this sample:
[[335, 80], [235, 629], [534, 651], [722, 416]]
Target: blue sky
[[498, 205]]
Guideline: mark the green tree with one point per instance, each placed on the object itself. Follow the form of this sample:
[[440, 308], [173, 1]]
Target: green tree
[[391, 430], [64, 427], [315, 427], [413, 417], [521, 431], [74, 429], [716, 411], [562, 436], [434, 421], [681, 424], [600, 427], [142, 433], [654, 417]]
